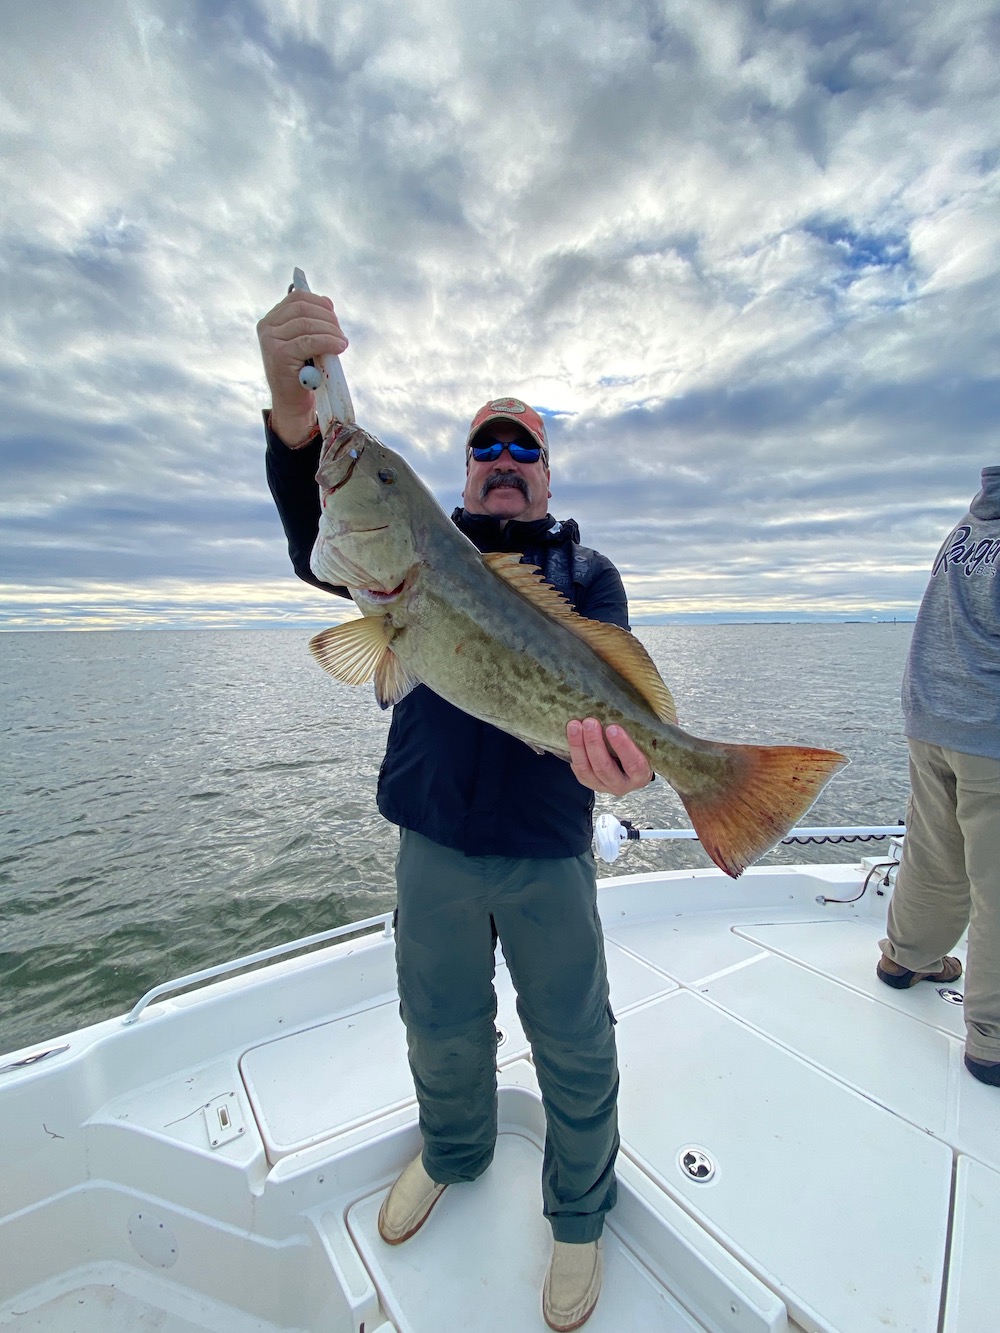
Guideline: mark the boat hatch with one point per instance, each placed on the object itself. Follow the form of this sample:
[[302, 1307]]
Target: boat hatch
[[311, 1085], [482, 1264]]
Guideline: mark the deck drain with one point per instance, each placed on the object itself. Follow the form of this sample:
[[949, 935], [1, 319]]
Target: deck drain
[[501, 1036], [951, 996], [696, 1164]]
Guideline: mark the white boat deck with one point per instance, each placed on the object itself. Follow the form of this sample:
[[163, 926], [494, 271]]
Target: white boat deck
[[220, 1163]]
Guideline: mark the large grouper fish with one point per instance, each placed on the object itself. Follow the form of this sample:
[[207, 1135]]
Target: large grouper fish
[[490, 636]]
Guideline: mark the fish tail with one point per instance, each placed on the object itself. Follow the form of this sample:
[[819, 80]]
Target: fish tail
[[764, 791]]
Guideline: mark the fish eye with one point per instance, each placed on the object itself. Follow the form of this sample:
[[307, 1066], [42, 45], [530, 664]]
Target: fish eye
[[387, 476]]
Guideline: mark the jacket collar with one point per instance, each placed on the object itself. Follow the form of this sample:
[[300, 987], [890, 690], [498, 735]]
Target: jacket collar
[[488, 533]]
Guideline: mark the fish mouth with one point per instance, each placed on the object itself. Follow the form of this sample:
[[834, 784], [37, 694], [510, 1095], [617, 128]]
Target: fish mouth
[[379, 597], [383, 596]]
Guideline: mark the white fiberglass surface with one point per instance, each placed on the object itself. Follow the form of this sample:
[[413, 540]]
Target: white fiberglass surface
[[808, 1174], [758, 1034], [479, 1262], [308, 1086], [115, 1298], [972, 1295]]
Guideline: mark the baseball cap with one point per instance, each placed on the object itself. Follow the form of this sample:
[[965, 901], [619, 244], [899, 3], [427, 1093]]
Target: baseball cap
[[511, 409]]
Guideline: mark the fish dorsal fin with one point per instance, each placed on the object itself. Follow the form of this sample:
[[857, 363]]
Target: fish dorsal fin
[[353, 651], [615, 645]]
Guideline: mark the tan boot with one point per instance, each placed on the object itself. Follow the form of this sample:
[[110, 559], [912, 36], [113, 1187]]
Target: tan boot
[[572, 1284], [407, 1205], [900, 978]]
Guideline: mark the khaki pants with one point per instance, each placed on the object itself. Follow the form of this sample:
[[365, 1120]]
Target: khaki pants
[[949, 878]]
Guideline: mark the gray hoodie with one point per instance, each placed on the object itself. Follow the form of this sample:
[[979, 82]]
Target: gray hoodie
[[951, 686]]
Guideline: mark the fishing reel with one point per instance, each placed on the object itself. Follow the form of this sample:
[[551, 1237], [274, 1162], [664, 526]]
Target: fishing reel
[[611, 834]]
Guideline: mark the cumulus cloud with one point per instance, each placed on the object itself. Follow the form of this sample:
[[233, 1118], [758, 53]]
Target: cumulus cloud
[[745, 256]]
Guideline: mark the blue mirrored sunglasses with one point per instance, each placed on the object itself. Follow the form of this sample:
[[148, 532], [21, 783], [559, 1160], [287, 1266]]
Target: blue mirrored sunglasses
[[521, 453]]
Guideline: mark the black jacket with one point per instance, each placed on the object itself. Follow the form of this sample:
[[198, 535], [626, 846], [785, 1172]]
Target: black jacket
[[446, 775]]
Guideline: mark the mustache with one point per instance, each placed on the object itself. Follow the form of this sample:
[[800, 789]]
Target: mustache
[[510, 479]]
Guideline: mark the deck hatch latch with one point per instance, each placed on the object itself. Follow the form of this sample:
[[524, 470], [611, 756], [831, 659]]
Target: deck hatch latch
[[224, 1119]]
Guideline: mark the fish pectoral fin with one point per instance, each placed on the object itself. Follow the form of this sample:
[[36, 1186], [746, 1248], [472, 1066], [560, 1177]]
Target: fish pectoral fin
[[352, 652], [620, 649], [393, 681]]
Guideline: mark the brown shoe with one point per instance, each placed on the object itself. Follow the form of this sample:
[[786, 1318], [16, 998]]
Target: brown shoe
[[407, 1206], [572, 1284], [901, 977]]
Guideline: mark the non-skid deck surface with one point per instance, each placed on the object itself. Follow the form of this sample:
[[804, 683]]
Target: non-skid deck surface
[[835, 1109], [808, 1174], [972, 1288], [855, 1164], [809, 986], [480, 1262], [499, 1245]]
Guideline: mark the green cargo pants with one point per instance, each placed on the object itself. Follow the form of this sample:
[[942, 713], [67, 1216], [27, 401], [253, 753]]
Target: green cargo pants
[[451, 910]]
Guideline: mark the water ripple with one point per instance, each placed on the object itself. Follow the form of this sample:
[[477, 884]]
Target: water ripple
[[193, 797]]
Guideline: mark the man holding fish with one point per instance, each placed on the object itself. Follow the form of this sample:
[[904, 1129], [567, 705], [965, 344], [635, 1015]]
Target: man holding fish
[[494, 839], [497, 678]]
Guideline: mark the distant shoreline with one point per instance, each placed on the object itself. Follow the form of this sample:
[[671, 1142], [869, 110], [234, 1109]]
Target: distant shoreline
[[312, 626], [773, 620]]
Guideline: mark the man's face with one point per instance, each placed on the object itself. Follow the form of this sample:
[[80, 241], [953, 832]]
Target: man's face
[[504, 488]]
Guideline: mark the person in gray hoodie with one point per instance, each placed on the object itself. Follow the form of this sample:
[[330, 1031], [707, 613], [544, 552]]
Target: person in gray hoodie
[[949, 876]]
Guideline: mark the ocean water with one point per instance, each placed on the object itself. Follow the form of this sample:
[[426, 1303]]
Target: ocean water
[[169, 800]]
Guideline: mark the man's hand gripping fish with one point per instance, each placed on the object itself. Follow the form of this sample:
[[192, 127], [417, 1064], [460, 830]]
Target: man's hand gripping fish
[[487, 634]]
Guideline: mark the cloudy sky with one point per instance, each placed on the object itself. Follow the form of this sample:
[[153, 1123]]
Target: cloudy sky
[[743, 253]]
